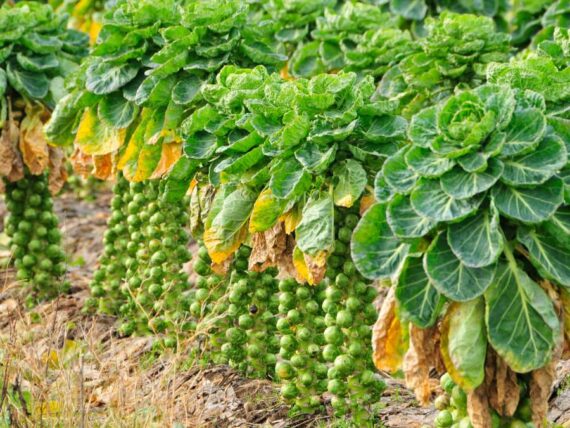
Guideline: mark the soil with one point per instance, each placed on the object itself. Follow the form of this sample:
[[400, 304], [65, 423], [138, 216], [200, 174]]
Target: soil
[[75, 371]]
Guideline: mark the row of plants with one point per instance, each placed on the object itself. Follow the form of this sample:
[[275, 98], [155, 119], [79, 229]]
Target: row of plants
[[433, 155]]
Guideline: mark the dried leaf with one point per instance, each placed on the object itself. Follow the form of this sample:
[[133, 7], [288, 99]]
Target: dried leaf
[[57, 170], [478, 408], [419, 360], [222, 268], [565, 306], [103, 166], [267, 248], [389, 339], [11, 165], [82, 164], [540, 386], [33, 144], [317, 266], [501, 383]]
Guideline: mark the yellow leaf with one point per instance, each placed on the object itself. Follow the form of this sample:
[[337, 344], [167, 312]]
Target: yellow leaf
[[220, 249], [300, 265], [291, 218], [266, 211], [103, 166], [171, 152], [389, 338], [284, 73], [366, 202], [33, 144], [94, 30], [95, 138]]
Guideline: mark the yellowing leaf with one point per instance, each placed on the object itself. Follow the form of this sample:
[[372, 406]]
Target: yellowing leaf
[[219, 249], [389, 338], [291, 218], [103, 166], [94, 30], [82, 164], [95, 138], [300, 265], [310, 269], [366, 202], [266, 211], [57, 170], [11, 165], [33, 144], [171, 152], [284, 72]]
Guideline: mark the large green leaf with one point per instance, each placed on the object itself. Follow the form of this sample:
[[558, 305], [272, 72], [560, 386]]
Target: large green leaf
[[529, 205], [3, 82], [477, 241], [315, 232], [417, 297], [397, 173], [409, 9], [37, 63], [404, 221], [315, 158], [524, 132], [239, 164], [200, 145], [349, 182], [103, 78], [30, 84], [537, 166], [116, 111], [451, 277], [547, 255], [187, 89], [376, 252], [558, 226], [460, 184], [464, 343], [431, 201], [426, 163], [288, 178], [521, 321]]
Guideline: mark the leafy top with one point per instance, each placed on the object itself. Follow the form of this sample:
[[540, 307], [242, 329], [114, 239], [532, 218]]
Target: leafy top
[[37, 52]]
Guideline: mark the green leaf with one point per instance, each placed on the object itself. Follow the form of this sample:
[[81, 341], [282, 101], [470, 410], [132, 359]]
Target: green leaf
[[240, 163], [426, 163], [227, 230], [461, 185], [315, 232], [532, 205], [397, 174], [384, 129], [117, 111], [186, 90], [416, 296], [429, 200], [546, 254], [524, 132], [37, 63], [404, 221], [3, 82], [464, 343], [178, 179], [315, 158], [103, 78], [30, 84], [155, 90], [558, 226], [537, 166], [200, 145], [423, 127], [261, 53], [305, 61], [376, 252], [41, 43], [451, 277], [473, 162], [521, 321], [410, 9], [288, 178], [349, 179], [477, 241]]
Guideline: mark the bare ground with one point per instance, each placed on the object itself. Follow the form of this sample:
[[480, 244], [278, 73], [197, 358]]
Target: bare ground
[[73, 370]]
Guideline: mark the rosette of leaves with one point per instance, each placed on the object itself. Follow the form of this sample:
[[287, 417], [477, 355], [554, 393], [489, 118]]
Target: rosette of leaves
[[456, 49], [288, 21], [279, 149], [473, 212], [357, 37], [144, 76], [36, 54], [537, 19], [417, 10]]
